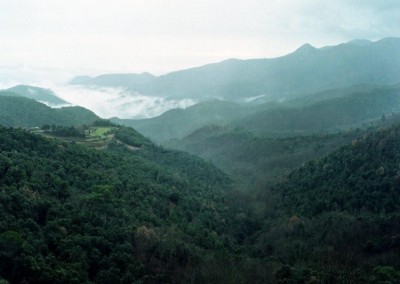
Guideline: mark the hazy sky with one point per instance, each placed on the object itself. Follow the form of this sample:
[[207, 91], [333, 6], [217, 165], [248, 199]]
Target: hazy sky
[[92, 36]]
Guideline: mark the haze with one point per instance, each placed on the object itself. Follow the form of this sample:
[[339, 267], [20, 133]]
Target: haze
[[55, 40], [46, 43]]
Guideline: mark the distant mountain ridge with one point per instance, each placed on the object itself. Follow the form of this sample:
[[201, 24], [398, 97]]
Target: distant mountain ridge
[[306, 70], [329, 115], [46, 96], [114, 80], [177, 123], [327, 111]]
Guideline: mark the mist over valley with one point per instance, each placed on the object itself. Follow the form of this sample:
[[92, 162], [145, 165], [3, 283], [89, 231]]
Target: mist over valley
[[200, 142]]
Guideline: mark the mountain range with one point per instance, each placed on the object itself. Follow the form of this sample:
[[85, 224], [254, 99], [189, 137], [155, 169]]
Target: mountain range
[[292, 176], [307, 70], [328, 111]]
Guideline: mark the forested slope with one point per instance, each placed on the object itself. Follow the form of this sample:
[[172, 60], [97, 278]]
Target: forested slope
[[328, 115], [339, 216], [255, 159], [24, 112], [76, 215], [328, 112], [178, 123], [361, 177]]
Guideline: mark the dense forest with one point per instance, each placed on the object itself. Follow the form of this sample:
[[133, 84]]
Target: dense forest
[[255, 159], [339, 215], [71, 214], [137, 212]]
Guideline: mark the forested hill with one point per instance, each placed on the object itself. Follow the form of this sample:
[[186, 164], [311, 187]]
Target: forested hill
[[330, 115], [257, 159], [177, 123], [71, 214], [339, 215], [362, 177], [326, 112], [20, 111]]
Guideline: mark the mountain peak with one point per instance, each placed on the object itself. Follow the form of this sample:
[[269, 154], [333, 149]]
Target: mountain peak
[[306, 48]]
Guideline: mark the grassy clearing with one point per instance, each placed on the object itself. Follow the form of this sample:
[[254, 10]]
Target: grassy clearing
[[96, 137], [99, 131]]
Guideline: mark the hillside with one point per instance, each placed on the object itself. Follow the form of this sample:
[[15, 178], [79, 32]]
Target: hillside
[[305, 71], [138, 212], [338, 216], [304, 187], [46, 96], [328, 115], [178, 123], [75, 215], [255, 160], [362, 176], [328, 111], [20, 111]]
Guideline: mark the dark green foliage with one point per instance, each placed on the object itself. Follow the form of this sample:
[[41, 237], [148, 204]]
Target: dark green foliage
[[385, 274], [23, 112], [18, 111], [131, 137], [75, 215], [255, 159], [360, 177], [74, 116], [339, 215], [63, 131], [102, 123]]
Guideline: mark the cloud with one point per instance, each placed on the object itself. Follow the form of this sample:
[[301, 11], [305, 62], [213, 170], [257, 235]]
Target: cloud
[[114, 102]]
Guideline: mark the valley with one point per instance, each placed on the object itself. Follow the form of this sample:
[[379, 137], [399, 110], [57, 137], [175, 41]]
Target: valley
[[285, 170]]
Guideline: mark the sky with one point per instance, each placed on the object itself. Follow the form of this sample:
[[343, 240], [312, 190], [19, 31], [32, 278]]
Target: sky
[[58, 39]]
